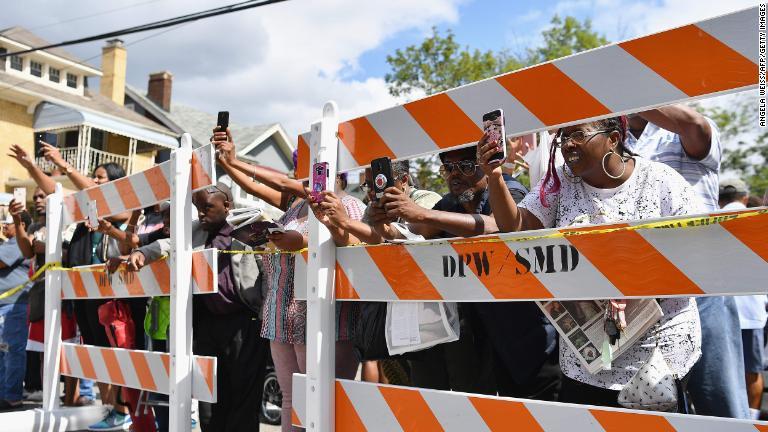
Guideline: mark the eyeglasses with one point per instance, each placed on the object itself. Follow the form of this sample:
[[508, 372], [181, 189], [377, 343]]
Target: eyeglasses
[[578, 137], [466, 167]]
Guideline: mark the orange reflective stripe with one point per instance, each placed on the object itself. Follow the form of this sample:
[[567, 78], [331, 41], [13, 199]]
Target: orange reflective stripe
[[127, 194], [302, 155], [347, 419], [295, 419], [362, 140], [404, 276], [444, 121], [503, 276], [344, 288], [96, 194], [410, 409], [86, 365], [634, 266], [200, 178], [102, 283], [113, 366], [751, 231], [132, 282], [500, 414], [73, 207], [761, 428], [163, 274], [710, 65], [158, 183], [538, 86], [143, 372], [206, 369], [166, 363], [202, 273], [77, 284], [616, 421]]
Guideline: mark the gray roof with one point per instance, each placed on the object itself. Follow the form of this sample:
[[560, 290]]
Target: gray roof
[[24, 36], [94, 102], [200, 125]]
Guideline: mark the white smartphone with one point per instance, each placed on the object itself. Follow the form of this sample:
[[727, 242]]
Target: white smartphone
[[20, 195], [93, 214], [279, 228]]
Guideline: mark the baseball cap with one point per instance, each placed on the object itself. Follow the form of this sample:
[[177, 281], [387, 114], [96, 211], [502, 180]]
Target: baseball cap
[[733, 185], [8, 219]]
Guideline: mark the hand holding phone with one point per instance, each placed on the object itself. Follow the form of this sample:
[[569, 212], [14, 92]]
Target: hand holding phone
[[381, 172], [223, 121], [319, 181], [20, 196], [493, 126]]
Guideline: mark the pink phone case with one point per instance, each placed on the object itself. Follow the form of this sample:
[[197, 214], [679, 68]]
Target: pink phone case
[[319, 181]]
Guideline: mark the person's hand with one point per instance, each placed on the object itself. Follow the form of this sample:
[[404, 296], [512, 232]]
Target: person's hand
[[485, 151], [21, 156], [53, 155], [104, 226], [398, 205], [333, 209], [225, 146], [289, 240], [114, 263], [377, 215], [15, 208], [136, 261]]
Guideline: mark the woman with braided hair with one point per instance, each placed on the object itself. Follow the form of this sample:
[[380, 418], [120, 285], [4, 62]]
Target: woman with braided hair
[[602, 182]]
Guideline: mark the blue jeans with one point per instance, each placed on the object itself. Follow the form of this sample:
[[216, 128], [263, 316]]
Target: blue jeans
[[86, 388], [717, 385], [13, 358]]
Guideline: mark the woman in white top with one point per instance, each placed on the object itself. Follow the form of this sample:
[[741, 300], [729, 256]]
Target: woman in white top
[[603, 182]]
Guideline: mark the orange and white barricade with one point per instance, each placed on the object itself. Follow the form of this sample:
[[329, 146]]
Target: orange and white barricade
[[177, 373], [688, 256]]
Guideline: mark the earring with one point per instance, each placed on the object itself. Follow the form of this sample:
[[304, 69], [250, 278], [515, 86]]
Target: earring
[[623, 165]]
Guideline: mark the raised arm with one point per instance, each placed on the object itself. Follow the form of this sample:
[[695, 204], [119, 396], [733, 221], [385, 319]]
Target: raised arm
[[46, 184], [694, 130], [507, 215], [227, 159], [269, 177], [23, 239], [80, 180]]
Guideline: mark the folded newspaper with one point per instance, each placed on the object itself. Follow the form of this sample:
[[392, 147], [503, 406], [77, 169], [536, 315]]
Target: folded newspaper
[[580, 323]]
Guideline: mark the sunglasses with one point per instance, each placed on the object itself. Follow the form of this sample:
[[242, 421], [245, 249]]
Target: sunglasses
[[465, 167]]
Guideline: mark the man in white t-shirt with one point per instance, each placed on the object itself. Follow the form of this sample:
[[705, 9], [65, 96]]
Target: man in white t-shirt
[[685, 140], [752, 314]]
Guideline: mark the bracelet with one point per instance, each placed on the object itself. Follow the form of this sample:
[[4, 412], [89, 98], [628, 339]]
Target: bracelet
[[254, 175]]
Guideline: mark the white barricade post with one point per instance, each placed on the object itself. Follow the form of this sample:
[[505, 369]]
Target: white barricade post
[[680, 256], [179, 373], [321, 313]]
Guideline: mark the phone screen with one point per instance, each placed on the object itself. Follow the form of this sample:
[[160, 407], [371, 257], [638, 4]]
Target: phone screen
[[493, 125], [223, 120]]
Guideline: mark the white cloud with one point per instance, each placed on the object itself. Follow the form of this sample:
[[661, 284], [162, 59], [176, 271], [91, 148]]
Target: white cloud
[[276, 63]]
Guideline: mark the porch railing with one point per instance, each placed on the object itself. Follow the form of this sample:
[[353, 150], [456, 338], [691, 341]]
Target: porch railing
[[68, 153], [94, 159], [99, 157]]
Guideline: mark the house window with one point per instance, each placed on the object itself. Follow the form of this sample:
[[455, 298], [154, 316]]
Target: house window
[[36, 68], [17, 63], [54, 74], [2, 60], [71, 80]]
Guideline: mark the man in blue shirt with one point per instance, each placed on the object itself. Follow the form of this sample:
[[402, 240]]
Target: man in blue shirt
[[14, 271]]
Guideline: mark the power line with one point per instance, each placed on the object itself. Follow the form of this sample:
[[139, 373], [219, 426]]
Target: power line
[[236, 7], [82, 17]]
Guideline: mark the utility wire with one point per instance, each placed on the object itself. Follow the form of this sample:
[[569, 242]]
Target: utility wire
[[236, 7]]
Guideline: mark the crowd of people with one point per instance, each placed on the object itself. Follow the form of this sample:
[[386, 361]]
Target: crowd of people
[[663, 162]]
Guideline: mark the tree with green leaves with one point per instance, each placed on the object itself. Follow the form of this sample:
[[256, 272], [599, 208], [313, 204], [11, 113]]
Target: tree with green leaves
[[439, 63]]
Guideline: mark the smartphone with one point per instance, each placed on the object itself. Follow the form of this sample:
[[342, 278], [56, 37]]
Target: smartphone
[[493, 125], [93, 214], [223, 121], [319, 181], [381, 172], [20, 196]]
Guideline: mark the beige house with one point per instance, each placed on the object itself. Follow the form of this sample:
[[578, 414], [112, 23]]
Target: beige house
[[47, 91]]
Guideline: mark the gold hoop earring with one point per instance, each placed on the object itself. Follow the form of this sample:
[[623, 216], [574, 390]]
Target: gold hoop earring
[[623, 165]]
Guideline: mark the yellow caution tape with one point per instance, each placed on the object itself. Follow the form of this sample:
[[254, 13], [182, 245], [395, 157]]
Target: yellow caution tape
[[34, 277]]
